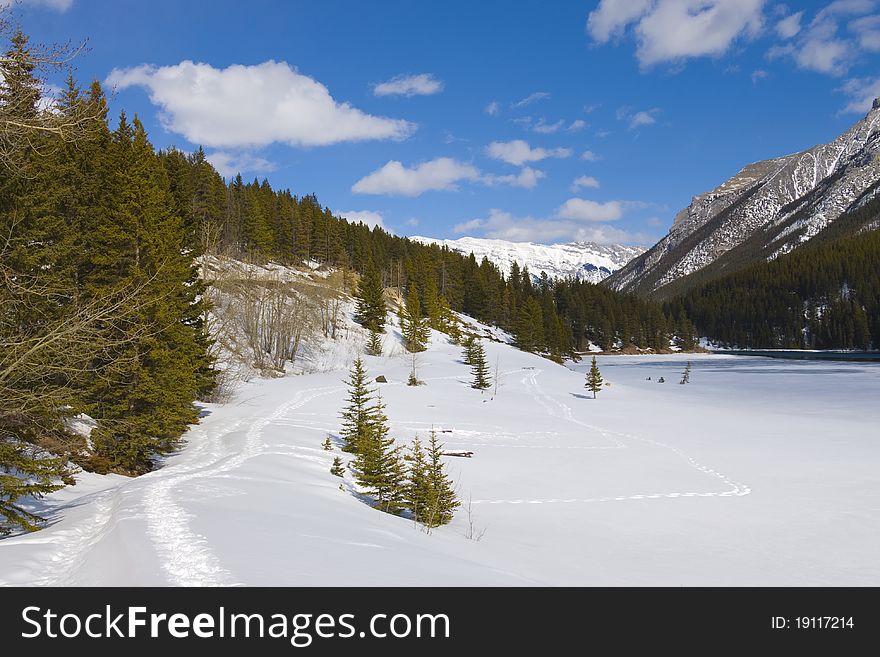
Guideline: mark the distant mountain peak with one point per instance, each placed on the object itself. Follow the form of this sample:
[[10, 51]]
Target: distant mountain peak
[[586, 261], [766, 209]]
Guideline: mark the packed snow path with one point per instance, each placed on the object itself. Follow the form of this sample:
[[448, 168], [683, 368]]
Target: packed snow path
[[645, 485]]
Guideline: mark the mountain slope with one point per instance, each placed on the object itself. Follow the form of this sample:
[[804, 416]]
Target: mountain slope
[[767, 209], [586, 261]]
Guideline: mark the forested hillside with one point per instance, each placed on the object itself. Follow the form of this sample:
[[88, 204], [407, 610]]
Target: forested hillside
[[825, 295], [103, 311]]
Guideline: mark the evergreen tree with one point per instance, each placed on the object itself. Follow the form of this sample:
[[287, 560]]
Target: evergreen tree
[[686, 375], [418, 486], [594, 378], [327, 445], [146, 402], [370, 297], [356, 416], [25, 471], [377, 465], [479, 367], [468, 343], [442, 500], [413, 326], [374, 344], [337, 469]]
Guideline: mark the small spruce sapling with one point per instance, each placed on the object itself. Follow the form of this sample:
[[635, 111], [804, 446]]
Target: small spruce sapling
[[594, 378]]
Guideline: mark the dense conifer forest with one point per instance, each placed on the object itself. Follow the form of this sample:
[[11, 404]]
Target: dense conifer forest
[[824, 295]]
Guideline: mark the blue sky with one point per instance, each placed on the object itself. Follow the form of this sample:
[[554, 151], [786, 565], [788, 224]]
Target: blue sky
[[518, 120]]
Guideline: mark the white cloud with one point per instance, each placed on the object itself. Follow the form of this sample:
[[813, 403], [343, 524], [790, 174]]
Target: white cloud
[[518, 152], [675, 30], [527, 178], [229, 164], [531, 98], [504, 225], [493, 108], [584, 182], [590, 156], [759, 74], [867, 30], [577, 124], [821, 47], [789, 26], [412, 221], [861, 92], [245, 106], [394, 179], [545, 128], [423, 84], [637, 119], [580, 209], [371, 218], [57, 5]]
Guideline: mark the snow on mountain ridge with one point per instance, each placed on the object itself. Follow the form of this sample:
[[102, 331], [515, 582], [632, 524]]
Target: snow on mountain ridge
[[792, 198], [586, 261]]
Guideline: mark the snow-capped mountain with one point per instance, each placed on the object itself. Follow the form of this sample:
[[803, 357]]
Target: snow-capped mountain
[[586, 261], [766, 209]]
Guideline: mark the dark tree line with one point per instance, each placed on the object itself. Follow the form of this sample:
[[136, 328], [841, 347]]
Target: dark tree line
[[825, 295]]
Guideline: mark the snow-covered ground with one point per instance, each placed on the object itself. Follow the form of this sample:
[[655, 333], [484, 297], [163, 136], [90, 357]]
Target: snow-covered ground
[[759, 472]]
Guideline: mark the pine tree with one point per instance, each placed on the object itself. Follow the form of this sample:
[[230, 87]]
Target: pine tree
[[418, 485], [686, 375], [442, 500], [374, 344], [594, 378], [468, 344], [25, 471], [356, 416], [479, 367], [145, 402], [413, 326], [370, 297], [377, 465], [337, 469], [327, 445]]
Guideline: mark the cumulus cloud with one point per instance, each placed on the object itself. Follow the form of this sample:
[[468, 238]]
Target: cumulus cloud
[[581, 209], [590, 156], [583, 182], [861, 93], [518, 152], [229, 164], [531, 98], [395, 179], [822, 47], [245, 106], [527, 178], [440, 174], [504, 225], [423, 84], [759, 74], [577, 124], [637, 119], [676, 30], [370, 218], [493, 108], [789, 26]]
